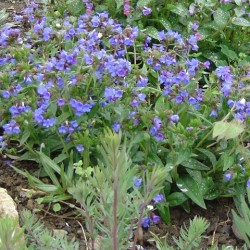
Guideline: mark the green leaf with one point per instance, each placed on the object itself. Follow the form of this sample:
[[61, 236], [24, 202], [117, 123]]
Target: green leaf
[[176, 199], [25, 137], [228, 130], [228, 52], [190, 188], [238, 2], [221, 17], [209, 190], [46, 161], [142, 3], [164, 212], [140, 137], [119, 4], [166, 24], [181, 10], [155, 159], [240, 21], [194, 164], [49, 167], [60, 158], [209, 155], [228, 161], [195, 174], [57, 207], [152, 32], [160, 104]]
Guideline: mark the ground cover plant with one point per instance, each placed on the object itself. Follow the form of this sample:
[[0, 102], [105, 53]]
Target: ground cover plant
[[66, 78]]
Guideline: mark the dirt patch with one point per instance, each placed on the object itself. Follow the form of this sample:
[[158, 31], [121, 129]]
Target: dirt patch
[[12, 6]]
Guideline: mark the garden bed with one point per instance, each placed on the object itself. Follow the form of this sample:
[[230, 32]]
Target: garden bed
[[218, 214], [166, 132]]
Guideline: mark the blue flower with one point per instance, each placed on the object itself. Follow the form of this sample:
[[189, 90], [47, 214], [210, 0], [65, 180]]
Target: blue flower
[[146, 11], [159, 136], [47, 33], [116, 127], [11, 128], [228, 176], [174, 118], [248, 183], [157, 123], [213, 114], [112, 94], [146, 222], [79, 148], [137, 181], [155, 219], [158, 198], [142, 81]]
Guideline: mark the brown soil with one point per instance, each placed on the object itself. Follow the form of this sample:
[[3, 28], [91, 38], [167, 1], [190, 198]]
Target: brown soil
[[12, 6]]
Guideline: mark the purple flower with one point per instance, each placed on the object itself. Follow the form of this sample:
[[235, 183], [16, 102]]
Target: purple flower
[[142, 81], [11, 128], [61, 102], [157, 123], [134, 103], [193, 42], [158, 198], [6, 94], [137, 181], [79, 107], [116, 127], [248, 183], [213, 114], [63, 129], [50, 122], [174, 118], [112, 95], [47, 33], [155, 219], [206, 64], [228, 176], [141, 97], [195, 26], [240, 105], [79, 148], [146, 222], [159, 136], [153, 130], [146, 11]]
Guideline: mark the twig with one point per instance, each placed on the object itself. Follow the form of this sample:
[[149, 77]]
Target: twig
[[84, 235]]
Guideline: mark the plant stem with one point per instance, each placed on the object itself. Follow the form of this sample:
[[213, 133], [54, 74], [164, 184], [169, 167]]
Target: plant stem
[[115, 187], [137, 228]]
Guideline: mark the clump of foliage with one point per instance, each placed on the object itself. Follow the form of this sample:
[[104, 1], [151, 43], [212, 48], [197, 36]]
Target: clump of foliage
[[40, 238], [223, 26], [11, 235], [242, 218], [190, 237], [113, 206]]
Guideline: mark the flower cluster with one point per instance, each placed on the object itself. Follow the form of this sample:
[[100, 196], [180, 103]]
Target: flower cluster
[[92, 70]]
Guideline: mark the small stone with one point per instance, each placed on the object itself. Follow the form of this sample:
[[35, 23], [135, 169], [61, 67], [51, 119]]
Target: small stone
[[60, 232]]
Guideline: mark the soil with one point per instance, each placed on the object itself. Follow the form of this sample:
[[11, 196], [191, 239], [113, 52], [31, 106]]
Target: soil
[[218, 212], [12, 6]]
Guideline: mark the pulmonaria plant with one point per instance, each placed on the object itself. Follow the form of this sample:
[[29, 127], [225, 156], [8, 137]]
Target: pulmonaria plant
[[72, 76]]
